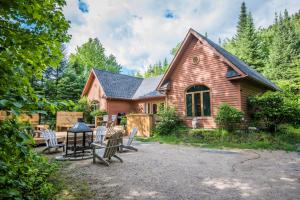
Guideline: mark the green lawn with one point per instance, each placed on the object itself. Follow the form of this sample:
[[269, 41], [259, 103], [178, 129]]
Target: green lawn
[[287, 139]]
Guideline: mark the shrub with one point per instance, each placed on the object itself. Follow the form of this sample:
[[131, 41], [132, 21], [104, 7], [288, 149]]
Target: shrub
[[228, 117], [97, 113], [83, 106], [169, 122], [23, 173], [123, 121], [274, 108]]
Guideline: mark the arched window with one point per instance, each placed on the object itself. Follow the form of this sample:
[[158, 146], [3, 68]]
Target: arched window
[[95, 105], [197, 100]]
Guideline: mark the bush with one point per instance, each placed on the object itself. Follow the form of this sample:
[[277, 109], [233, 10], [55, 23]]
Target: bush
[[274, 108], [83, 106], [123, 121], [228, 117], [23, 173], [97, 113], [169, 122]]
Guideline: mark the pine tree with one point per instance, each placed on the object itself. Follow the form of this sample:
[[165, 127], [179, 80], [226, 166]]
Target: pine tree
[[242, 24], [246, 43], [284, 48]]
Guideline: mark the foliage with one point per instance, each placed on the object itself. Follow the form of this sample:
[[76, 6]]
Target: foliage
[[246, 44], [91, 55], [48, 85], [123, 121], [228, 117], [97, 113], [83, 106], [87, 56], [154, 70], [274, 108], [23, 173], [287, 139], [31, 35], [169, 122], [285, 47]]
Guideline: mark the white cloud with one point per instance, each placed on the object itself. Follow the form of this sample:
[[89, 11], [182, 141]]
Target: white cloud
[[138, 32]]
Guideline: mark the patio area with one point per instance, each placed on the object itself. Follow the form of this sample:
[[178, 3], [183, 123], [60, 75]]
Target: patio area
[[163, 171]]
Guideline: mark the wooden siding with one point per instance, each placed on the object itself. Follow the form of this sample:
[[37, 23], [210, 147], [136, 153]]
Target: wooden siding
[[95, 92], [119, 106], [211, 72]]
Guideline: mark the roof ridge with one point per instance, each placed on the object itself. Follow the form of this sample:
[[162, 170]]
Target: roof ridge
[[117, 73]]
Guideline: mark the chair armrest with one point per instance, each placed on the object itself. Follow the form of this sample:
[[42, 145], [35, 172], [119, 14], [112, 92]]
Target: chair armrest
[[98, 145]]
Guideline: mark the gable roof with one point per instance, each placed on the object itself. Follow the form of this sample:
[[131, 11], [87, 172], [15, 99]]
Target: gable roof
[[240, 66], [121, 86]]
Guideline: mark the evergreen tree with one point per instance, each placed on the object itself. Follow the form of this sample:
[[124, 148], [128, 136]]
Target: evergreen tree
[[243, 20], [246, 43], [284, 49]]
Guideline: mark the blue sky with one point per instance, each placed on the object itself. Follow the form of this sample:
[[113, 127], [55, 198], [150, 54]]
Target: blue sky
[[142, 32]]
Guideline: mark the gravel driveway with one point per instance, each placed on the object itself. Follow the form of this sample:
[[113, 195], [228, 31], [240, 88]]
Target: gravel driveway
[[162, 171]]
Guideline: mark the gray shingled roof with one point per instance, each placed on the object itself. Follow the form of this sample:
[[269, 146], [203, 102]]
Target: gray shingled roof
[[240, 64], [118, 85], [148, 88], [127, 87]]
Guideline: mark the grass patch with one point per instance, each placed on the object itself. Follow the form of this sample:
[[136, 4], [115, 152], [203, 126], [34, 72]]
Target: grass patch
[[67, 186], [287, 138]]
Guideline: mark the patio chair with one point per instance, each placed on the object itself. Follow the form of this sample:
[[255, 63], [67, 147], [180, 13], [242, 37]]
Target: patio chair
[[100, 134], [129, 142], [105, 153], [51, 141]]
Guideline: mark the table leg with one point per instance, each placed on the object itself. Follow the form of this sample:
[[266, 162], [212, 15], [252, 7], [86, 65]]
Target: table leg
[[67, 143], [83, 145], [75, 145]]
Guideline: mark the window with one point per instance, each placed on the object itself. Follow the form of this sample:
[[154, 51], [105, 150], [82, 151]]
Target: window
[[152, 108], [197, 101], [95, 105]]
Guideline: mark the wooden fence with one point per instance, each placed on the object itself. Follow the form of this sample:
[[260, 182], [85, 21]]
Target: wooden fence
[[33, 118], [144, 123], [65, 120]]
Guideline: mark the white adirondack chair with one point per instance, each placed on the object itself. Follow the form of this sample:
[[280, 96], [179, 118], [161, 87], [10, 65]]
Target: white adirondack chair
[[129, 142], [51, 140], [100, 134]]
